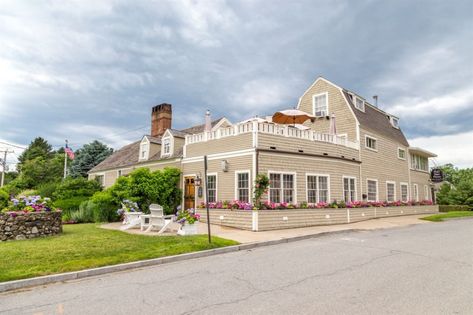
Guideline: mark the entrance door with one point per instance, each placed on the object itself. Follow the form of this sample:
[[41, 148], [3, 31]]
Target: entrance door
[[189, 192]]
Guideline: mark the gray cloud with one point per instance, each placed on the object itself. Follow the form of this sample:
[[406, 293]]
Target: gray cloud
[[83, 70]]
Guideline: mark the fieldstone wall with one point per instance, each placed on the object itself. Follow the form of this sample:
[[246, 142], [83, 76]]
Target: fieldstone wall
[[20, 226]]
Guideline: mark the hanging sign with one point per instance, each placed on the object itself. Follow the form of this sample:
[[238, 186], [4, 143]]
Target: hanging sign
[[436, 175]]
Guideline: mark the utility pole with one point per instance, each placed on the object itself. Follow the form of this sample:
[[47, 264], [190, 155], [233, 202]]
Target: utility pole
[[4, 165]]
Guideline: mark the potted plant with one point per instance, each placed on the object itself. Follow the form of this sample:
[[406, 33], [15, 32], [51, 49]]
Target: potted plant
[[188, 220]]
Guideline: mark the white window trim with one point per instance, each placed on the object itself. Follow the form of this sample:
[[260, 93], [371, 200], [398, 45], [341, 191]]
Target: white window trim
[[405, 153], [400, 191], [373, 138], [343, 186], [394, 184], [250, 190], [354, 102], [392, 122], [307, 190], [295, 182], [426, 192], [377, 189], [416, 190], [144, 141], [216, 186], [313, 103], [171, 146]]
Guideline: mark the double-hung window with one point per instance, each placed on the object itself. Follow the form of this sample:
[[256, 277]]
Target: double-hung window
[[371, 143], [349, 189], [372, 189], [144, 151], [404, 192], [426, 192], [281, 188], [359, 104], [212, 188], [401, 153], [243, 186], [166, 146], [320, 103], [390, 191], [317, 188], [416, 192]]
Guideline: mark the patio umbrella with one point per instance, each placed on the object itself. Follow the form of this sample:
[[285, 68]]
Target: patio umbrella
[[333, 126], [256, 118], [291, 116]]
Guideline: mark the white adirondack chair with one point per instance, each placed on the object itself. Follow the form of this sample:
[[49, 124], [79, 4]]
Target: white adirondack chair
[[131, 220], [156, 219]]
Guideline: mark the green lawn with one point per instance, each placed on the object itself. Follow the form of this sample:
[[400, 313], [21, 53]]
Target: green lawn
[[448, 215], [84, 246]]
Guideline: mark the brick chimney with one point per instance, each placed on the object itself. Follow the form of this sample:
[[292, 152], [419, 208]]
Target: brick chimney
[[161, 117]]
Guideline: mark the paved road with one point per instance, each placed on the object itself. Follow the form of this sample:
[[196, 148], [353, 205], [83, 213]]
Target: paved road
[[423, 269]]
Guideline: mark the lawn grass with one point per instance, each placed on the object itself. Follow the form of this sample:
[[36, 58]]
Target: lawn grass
[[448, 215], [85, 246]]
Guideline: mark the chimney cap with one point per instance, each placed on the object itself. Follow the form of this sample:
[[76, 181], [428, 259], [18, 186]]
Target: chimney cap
[[162, 107]]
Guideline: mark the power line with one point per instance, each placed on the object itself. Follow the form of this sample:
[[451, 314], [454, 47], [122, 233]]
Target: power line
[[13, 145]]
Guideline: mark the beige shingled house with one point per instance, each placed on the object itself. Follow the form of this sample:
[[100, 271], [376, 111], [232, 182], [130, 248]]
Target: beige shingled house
[[367, 159]]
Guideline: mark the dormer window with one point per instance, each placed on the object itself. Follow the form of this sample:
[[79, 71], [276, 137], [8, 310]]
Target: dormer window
[[144, 150], [360, 104], [320, 104], [395, 122], [166, 146]]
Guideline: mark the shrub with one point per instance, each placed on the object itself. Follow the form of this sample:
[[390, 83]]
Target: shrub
[[104, 207], [27, 193], [47, 189], [69, 205], [73, 187], [146, 187], [4, 197], [85, 214], [449, 208]]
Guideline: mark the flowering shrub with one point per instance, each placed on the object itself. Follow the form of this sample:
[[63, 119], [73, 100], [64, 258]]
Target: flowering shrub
[[29, 204], [188, 216], [236, 205], [128, 206], [267, 205], [261, 187]]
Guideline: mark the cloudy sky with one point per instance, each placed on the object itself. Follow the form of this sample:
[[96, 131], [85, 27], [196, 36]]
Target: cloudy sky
[[85, 70]]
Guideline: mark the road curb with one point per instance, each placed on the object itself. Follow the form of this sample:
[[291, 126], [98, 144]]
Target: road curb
[[37, 281]]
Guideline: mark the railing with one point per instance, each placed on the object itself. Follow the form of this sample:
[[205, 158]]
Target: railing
[[274, 129]]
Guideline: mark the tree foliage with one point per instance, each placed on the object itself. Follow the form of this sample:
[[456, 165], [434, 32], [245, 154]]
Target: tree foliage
[[145, 187], [41, 170], [89, 156], [38, 148], [458, 186]]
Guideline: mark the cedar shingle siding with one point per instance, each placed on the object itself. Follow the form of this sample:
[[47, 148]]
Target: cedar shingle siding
[[255, 152]]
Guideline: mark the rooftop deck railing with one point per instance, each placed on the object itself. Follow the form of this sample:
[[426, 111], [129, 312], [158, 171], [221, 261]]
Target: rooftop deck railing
[[273, 129]]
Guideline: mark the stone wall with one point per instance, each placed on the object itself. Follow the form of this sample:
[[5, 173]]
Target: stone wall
[[20, 226], [265, 220]]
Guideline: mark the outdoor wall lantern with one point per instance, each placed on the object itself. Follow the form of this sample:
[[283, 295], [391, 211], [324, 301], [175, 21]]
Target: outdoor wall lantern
[[224, 164], [198, 181]]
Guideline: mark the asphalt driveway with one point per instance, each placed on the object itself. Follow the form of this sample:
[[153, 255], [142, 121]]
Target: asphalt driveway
[[421, 269]]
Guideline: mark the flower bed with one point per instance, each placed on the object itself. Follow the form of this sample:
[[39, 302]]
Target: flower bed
[[29, 217], [240, 205]]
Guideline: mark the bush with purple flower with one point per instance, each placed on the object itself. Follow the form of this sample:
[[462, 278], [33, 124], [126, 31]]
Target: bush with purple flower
[[30, 204], [128, 206], [187, 216]]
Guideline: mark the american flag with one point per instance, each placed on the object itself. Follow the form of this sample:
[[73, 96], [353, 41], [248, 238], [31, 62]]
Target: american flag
[[69, 152]]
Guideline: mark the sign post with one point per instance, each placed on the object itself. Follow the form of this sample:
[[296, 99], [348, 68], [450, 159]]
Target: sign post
[[207, 198]]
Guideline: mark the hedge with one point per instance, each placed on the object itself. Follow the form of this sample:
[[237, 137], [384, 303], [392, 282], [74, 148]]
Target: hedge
[[448, 208], [70, 205]]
